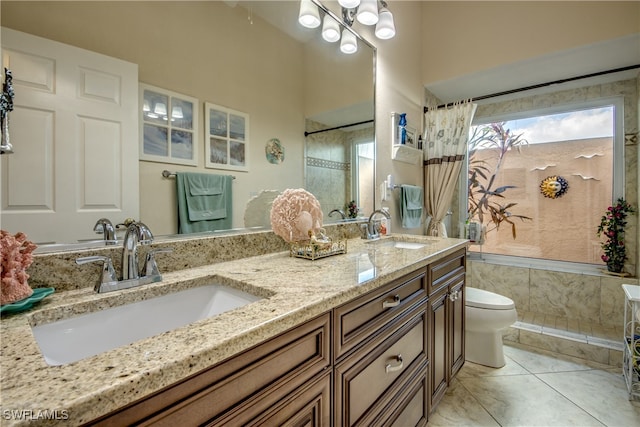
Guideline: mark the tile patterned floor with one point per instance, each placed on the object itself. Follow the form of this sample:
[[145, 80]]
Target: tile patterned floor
[[537, 388]]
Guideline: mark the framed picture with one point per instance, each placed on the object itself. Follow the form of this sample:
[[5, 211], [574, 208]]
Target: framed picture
[[412, 137], [227, 138], [169, 131]]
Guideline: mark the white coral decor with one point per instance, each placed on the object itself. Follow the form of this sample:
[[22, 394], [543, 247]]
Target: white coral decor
[[294, 213]]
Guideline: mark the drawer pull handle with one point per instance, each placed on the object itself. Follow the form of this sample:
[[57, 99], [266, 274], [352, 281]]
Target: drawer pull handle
[[394, 303], [391, 368]]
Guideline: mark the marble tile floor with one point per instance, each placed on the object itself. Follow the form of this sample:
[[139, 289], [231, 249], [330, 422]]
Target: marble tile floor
[[537, 388]]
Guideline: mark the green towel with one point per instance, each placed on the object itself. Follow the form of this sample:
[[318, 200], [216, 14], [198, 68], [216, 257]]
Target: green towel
[[411, 205], [204, 202]]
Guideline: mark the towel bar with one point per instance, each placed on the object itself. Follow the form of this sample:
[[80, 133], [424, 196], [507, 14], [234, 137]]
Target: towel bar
[[167, 174]]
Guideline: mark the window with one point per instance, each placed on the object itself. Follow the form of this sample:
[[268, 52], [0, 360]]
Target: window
[[169, 126], [540, 181], [227, 133]]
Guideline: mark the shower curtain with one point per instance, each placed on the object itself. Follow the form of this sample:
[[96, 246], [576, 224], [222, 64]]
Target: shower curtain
[[445, 149]]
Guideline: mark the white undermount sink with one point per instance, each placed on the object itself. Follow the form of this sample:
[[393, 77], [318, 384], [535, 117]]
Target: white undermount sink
[[408, 245], [69, 340], [398, 243]]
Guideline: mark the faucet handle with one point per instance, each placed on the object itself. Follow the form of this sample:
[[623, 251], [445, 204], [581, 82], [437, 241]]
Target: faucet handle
[[107, 276], [150, 265]]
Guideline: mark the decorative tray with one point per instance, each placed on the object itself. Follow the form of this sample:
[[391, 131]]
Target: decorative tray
[[313, 251], [25, 304]]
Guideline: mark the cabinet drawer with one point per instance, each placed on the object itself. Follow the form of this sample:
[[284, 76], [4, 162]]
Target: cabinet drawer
[[357, 320], [440, 272], [286, 361], [309, 406], [369, 378], [411, 408]]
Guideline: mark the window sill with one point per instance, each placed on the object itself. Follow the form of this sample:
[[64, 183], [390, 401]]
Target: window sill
[[542, 264]]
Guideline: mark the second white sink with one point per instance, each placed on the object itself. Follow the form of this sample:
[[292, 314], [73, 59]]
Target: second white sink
[[76, 338]]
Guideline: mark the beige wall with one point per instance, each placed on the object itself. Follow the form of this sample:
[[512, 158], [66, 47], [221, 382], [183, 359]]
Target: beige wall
[[464, 37]]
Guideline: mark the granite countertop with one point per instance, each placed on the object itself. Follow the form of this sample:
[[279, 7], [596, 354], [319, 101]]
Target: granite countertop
[[294, 290]]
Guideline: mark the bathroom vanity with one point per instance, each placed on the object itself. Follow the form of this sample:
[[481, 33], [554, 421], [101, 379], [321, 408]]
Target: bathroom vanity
[[371, 337]]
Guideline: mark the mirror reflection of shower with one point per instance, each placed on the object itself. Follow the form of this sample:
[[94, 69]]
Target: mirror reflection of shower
[[339, 164]]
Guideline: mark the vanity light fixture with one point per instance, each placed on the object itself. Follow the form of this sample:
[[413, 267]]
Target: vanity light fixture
[[176, 112], [349, 43], [368, 12], [385, 28], [309, 16], [160, 109], [330, 29], [349, 4]]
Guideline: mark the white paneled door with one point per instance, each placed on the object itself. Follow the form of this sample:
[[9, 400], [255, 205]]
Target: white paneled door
[[74, 129]]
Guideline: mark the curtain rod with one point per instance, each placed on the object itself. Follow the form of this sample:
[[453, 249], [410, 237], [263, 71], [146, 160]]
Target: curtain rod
[[537, 86], [338, 127]]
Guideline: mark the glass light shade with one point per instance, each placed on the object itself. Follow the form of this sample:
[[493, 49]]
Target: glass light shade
[[349, 43], [385, 28], [160, 109], [330, 29], [146, 107], [368, 12], [349, 4], [309, 16], [176, 112]]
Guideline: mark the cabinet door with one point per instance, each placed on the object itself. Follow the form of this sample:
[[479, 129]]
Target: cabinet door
[[438, 344], [456, 325]]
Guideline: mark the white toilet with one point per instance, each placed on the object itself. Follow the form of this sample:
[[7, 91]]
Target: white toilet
[[487, 315]]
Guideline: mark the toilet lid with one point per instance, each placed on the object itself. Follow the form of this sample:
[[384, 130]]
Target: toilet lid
[[480, 298]]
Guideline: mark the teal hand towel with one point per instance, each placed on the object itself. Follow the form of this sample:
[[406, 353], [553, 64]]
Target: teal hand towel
[[204, 202], [411, 205]]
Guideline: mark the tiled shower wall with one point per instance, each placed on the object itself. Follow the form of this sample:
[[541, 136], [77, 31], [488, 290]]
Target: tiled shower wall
[[592, 298]]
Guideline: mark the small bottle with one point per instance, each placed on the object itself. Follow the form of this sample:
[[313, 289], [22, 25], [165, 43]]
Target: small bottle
[[385, 224]]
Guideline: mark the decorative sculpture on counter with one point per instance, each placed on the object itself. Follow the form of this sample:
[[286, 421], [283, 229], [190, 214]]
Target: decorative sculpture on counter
[[296, 216], [16, 256], [554, 186], [6, 105], [294, 213]]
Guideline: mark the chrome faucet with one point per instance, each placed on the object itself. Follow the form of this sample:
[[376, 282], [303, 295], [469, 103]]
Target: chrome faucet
[[371, 230], [104, 226], [338, 211], [137, 233]]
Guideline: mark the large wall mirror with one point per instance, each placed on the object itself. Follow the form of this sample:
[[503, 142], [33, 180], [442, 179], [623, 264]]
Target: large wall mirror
[[248, 56]]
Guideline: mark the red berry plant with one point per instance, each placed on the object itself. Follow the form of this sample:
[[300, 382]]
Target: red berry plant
[[612, 225]]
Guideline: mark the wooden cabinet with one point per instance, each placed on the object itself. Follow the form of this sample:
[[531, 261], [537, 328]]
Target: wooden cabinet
[[381, 356], [384, 359], [286, 378], [446, 323]]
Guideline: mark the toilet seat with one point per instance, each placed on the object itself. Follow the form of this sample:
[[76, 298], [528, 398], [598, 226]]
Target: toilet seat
[[479, 298]]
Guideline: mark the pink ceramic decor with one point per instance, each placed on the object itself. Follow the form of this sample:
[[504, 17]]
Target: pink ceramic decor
[[294, 213], [16, 256]]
